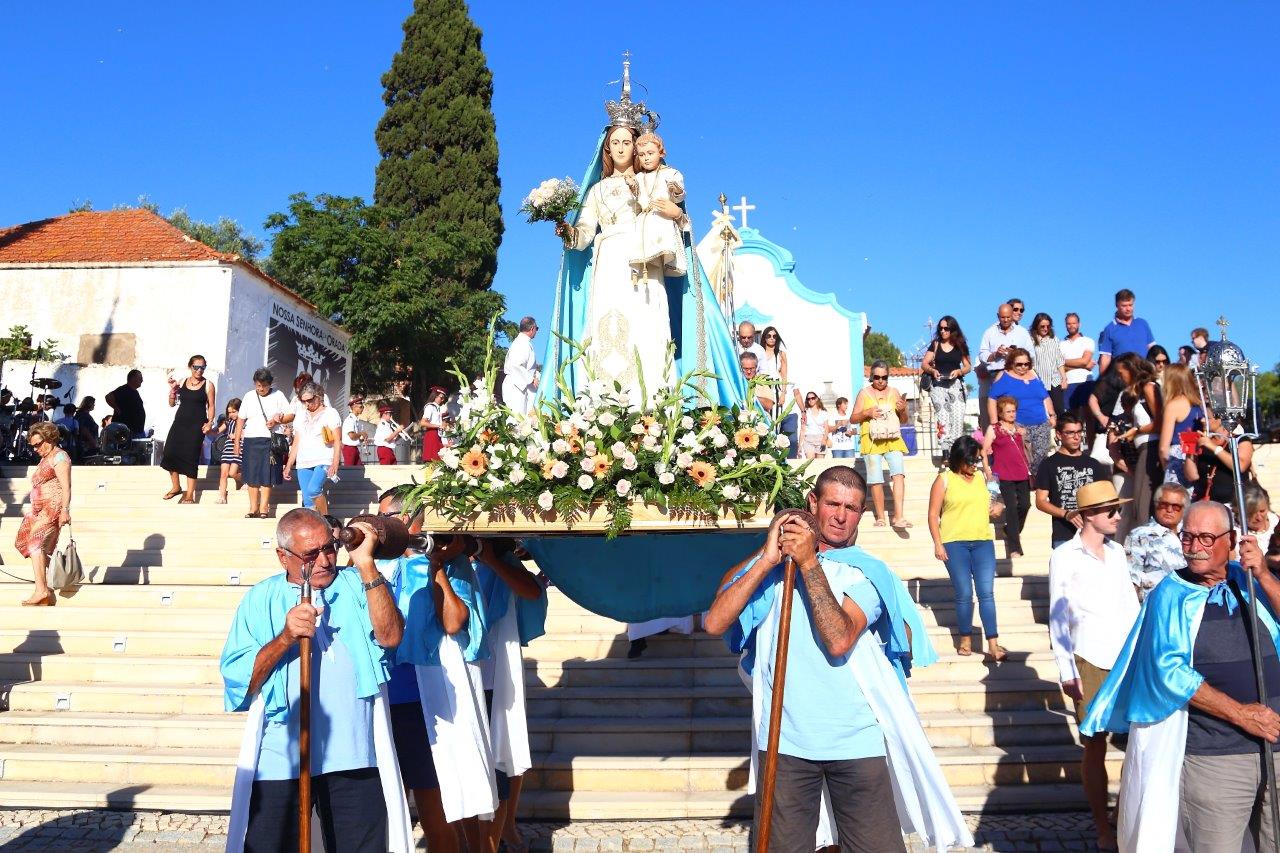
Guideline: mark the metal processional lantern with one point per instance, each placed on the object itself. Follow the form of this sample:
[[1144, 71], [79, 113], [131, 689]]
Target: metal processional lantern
[[1228, 386]]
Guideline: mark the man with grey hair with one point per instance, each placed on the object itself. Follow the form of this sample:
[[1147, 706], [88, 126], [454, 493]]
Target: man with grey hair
[[997, 341], [1184, 689], [747, 340], [1153, 548], [520, 369], [355, 780]]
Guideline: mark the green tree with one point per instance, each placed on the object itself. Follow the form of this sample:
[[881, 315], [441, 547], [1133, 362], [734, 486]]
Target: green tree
[[225, 235], [876, 345], [439, 147], [1269, 393], [352, 259]]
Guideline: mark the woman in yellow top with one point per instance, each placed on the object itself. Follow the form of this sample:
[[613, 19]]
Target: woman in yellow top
[[881, 411], [960, 511]]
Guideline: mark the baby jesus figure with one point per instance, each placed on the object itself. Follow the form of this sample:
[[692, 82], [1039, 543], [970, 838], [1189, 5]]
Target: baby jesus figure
[[661, 240]]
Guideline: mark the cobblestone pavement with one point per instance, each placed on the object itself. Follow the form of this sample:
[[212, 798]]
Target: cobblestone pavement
[[99, 830]]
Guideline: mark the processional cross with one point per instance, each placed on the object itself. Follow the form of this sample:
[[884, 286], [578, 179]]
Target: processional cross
[[743, 208], [1222, 325]]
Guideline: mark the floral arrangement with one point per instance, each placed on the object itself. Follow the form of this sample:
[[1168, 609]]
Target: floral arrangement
[[551, 201], [674, 449]]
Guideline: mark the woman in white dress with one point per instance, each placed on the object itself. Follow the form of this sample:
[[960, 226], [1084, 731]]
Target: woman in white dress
[[628, 327]]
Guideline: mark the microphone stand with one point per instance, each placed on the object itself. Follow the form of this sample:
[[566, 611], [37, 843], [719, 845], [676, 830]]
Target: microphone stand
[[304, 727], [768, 776]]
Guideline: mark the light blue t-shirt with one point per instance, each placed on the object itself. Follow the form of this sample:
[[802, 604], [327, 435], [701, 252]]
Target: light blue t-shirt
[[341, 723], [825, 716]]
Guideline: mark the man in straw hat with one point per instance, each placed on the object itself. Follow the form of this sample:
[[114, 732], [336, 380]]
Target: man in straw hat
[[1092, 607], [1184, 689]]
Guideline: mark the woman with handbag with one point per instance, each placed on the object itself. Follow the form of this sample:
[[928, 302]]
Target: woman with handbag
[[260, 434], [881, 410], [316, 450], [943, 370], [50, 508]]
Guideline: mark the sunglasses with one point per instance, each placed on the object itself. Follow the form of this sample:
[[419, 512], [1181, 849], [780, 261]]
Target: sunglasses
[[1108, 512], [876, 377], [1170, 505], [330, 548], [1206, 540], [36, 442], [198, 366], [810, 399], [746, 337], [307, 401], [944, 328], [1022, 364], [1161, 361], [1019, 310]]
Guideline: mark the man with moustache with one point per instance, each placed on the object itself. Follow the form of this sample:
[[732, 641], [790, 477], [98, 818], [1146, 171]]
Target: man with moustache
[[1184, 690]]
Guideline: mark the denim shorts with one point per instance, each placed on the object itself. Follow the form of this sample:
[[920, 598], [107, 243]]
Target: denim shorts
[[875, 471]]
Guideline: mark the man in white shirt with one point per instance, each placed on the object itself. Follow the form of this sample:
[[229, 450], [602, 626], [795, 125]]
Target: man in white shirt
[[996, 343], [747, 340], [1077, 356], [354, 433], [1092, 607], [521, 369]]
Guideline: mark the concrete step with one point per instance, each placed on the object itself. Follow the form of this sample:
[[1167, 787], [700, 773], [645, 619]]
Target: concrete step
[[142, 729], [110, 795], [118, 642], [98, 618]]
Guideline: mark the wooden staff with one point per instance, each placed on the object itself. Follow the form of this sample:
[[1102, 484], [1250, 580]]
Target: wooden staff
[[775, 708], [304, 728]]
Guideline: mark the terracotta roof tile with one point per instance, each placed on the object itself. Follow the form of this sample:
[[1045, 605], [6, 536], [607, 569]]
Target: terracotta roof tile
[[131, 235]]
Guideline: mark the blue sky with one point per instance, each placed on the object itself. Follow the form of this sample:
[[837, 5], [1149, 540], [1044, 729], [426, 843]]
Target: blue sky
[[918, 159]]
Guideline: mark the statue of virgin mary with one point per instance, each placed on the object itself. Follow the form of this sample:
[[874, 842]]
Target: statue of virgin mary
[[626, 314]]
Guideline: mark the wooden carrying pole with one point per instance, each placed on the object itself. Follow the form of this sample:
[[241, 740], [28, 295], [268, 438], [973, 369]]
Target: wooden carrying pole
[[304, 729], [767, 778]]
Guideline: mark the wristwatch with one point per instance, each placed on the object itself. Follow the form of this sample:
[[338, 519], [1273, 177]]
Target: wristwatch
[[374, 584]]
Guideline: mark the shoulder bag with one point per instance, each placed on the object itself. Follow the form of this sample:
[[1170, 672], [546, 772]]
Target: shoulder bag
[[64, 569], [279, 444], [887, 427]]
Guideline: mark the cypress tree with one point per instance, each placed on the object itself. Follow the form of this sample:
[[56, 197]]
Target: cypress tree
[[439, 147]]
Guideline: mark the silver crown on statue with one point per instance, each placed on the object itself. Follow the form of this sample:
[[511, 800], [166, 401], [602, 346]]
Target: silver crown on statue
[[623, 112]]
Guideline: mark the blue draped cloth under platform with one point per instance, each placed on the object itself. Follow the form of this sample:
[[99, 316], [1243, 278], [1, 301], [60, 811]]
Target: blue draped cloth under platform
[[638, 578]]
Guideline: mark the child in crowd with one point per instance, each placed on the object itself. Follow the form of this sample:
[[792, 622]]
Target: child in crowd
[[661, 240], [231, 459]]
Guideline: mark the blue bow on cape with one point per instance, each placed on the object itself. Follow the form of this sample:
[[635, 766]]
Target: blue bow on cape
[[1153, 676]]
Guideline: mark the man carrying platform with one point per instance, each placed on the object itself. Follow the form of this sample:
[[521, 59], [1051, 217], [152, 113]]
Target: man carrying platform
[[355, 780], [848, 721]]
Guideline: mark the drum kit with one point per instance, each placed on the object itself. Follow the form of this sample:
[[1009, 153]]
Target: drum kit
[[15, 420]]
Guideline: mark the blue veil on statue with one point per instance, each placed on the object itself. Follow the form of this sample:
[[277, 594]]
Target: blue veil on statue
[[641, 577]]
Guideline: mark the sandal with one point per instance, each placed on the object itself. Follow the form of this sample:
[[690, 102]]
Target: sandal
[[187, 500], [900, 524], [965, 647], [221, 499], [996, 653], [172, 493], [253, 515], [879, 522], [48, 601]]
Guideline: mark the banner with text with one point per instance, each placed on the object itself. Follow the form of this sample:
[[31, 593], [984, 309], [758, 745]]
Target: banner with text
[[298, 342]]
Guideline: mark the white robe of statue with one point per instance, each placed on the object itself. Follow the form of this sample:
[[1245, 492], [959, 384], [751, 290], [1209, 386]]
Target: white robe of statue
[[627, 306], [519, 367]]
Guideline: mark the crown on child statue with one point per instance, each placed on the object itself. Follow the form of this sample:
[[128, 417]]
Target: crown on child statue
[[624, 113]]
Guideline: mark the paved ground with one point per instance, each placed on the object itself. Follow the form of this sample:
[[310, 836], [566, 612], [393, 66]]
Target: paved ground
[[32, 830]]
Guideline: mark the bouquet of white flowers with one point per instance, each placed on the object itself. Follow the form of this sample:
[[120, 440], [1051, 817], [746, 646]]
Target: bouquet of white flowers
[[551, 201]]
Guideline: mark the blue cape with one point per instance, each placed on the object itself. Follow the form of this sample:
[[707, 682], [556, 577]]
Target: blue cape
[[703, 341], [1153, 676], [897, 610], [531, 614], [260, 618], [422, 629]]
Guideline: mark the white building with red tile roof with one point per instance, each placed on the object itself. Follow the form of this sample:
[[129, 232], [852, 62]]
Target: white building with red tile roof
[[124, 289]]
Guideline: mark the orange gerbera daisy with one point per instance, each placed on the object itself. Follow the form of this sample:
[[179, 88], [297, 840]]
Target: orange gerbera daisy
[[575, 446], [600, 463], [710, 418], [473, 463], [703, 473], [746, 439]]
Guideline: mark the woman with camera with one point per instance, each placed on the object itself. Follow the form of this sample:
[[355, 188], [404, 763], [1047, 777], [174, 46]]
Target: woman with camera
[[260, 434]]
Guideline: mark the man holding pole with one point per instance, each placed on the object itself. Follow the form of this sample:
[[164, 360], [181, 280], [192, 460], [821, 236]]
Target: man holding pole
[[842, 717], [351, 768], [1185, 690]]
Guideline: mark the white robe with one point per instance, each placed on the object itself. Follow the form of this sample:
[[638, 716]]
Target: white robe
[[640, 630], [509, 719], [921, 795], [519, 367]]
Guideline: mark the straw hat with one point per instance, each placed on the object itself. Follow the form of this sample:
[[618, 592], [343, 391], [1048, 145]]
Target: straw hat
[[1097, 495]]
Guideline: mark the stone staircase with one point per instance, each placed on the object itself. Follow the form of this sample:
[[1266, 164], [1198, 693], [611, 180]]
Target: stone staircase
[[113, 698]]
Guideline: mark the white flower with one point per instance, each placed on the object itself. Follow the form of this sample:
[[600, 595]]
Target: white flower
[[517, 476], [660, 468], [686, 422], [762, 430], [450, 457], [751, 460], [719, 439], [559, 446], [649, 443], [684, 460], [472, 481], [560, 469], [666, 478], [545, 501], [637, 428], [534, 455], [590, 448], [726, 462], [495, 462], [619, 449], [731, 492], [585, 482], [731, 453], [623, 488], [655, 429], [630, 462], [495, 484], [588, 463], [689, 440], [595, 432], [525, 427], [782, 442], [607, 419]]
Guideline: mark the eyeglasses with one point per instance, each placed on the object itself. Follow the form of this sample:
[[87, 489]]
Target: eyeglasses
[[1018, 310], [1022, 364], [1160, 360], [810, 399], [330, 548], [198, 367], [36, 442], [1206, 540], [1108, 512], [1170, 505], [942, 328], [876, 377], [746, 337], [307, 401]]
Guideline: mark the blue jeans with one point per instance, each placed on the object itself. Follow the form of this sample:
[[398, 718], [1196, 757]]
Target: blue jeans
[[844, 454], [973, 565], [311, 483], [790, 427]]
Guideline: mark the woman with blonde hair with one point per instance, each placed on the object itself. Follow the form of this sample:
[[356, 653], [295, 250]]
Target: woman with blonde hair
[[1183, 413], [49, 510]]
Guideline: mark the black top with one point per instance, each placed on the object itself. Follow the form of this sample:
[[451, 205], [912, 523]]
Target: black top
[[1216, 477], [1222, 655], [945, 362], [128, 409], [87, 423], [1061, 476], [1108, 389]]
